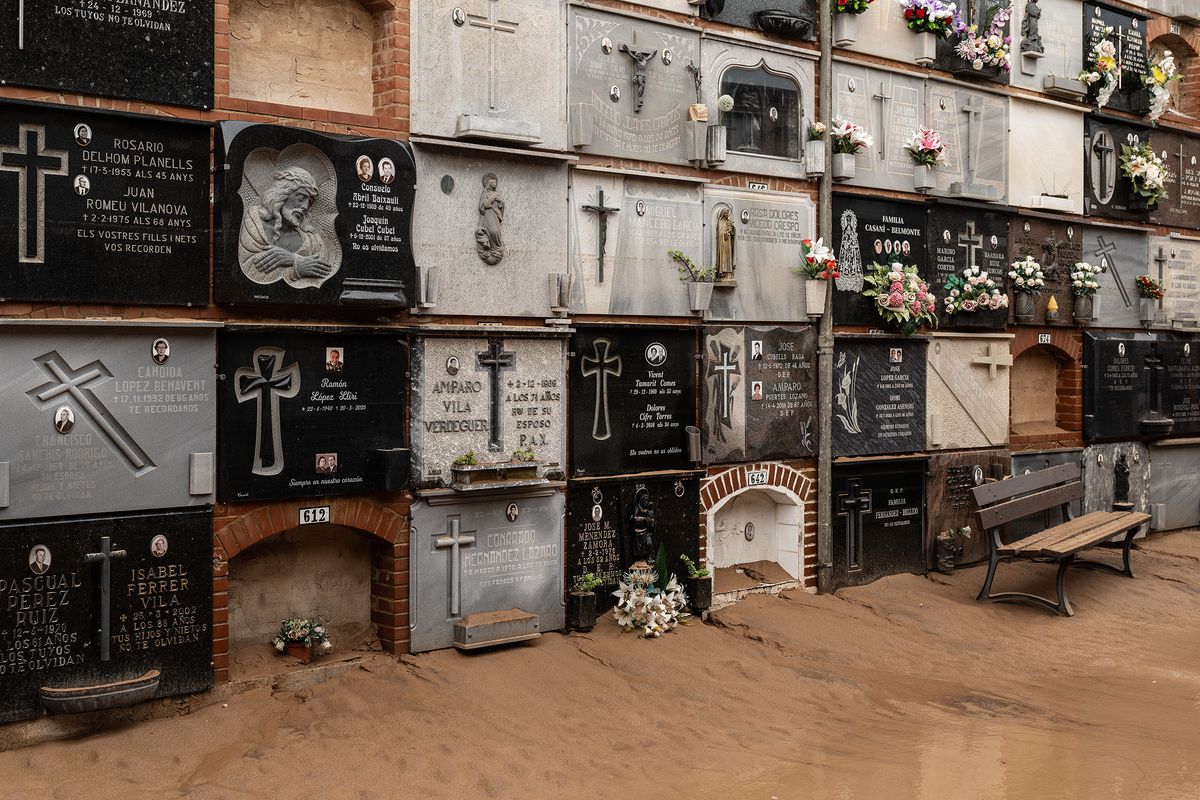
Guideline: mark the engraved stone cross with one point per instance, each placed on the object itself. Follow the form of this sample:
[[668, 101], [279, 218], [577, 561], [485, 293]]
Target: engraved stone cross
[[1107, 252], [601, 211], [883, 97], [852, 504], [265, 383], [496, 359], [974, 110], [1104, 150], [972, 242], [494, 27], [105, 557], [993, 359], [32, 162], [456, 539], [601, 364], [1161, 260]]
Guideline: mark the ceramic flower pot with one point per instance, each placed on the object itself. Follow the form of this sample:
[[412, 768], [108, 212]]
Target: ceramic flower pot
[[300, 651], [845, 29], [700, 295], [843, 166], [581, 611], [1148, 311], [815, 292], [1023, 307], [925, 49], [922, 178], [814, 156], [1084, 311]]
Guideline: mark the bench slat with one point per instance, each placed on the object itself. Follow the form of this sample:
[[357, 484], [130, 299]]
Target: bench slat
[[990, 493], [1059, 532], [1083, 541], [1011, 510]]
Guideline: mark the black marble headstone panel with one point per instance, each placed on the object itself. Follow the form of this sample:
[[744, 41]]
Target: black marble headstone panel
[[160, 51], [633, 395], [866, 232], [1057, 246], [600, 526], [313, 219], [977, 12], [961, 238], [102, 208], [878, 396], [1129, 36], [1181, 362], [787, 19], [878, 520], [759, 393], [306, 413], [1181, 154], [1120, 374], [52, 618], [1107, 192]]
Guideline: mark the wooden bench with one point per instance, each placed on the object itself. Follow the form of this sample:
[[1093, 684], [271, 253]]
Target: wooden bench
[[1012, 499]]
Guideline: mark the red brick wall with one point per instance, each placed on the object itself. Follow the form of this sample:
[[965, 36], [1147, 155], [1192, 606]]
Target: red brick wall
[[1067, 348]]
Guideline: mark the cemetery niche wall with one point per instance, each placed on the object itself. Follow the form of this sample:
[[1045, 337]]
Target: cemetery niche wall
[[1177, 265], [1032, 461], [878, 395], [95, 601], [890, 105], [1129, 37], [1116, 477], [310, 413], [967, 393], [1174, 490], [1181, 154], [106, 418], [480, 554], [633, 396], [1057, 246], [312, 219], [790, 19], [1050, 184], [611, 524], [974, 128], [1140, 386], [759, 394], [160, 52], [497, 393], [962, 238], [102, 208], [1122, 254], [1107, 191], [878, 520], [1046, 55], [979, 13], [951, 478], [870, 232]]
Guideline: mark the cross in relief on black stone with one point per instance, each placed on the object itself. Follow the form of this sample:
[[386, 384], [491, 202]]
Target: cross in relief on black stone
[[852, 504], [1107, 252], [32, 162], [104, 558], [496, 359]]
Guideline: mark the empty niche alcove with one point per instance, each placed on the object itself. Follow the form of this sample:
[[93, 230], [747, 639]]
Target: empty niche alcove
[[1046, 388]]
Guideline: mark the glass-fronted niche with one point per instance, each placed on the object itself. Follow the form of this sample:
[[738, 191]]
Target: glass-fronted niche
[[765, 118]]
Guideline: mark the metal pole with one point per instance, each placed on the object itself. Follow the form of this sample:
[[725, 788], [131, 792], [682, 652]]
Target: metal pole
[[825, 339]]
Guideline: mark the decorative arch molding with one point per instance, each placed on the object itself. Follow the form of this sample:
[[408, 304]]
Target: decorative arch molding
[[1064, 344], [264, 522]]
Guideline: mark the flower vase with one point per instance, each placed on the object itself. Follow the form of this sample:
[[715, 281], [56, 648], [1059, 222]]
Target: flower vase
[[815, 291], [925, 49], [1085, 308], [843, 166], [1138, 203], [699, 593], [845, 29], [300, 651], [922, 178], [1023, 306], [1148, 311], [814, 155], [700, 295]]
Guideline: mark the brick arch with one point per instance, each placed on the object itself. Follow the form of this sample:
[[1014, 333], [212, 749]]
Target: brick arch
[[1065, 345], [368, 516], [1184, 45]]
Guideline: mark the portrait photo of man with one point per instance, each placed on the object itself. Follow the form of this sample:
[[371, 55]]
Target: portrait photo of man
[[333, 360], [364, 168], [158, 546], [387, 171], [64, 419], [512, 512], [756, 352], [82, 185], [39, 559], [83, 135], [905, 248], [161, 351]]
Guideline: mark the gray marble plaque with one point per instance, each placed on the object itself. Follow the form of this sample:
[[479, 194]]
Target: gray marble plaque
[[100, 419], [637, 275], [769, 227], [1174, 490], [1123, 254], [1060, 28], [490, 554], [482, 53], [629, 88], [890, 105], [1176, 262], [880, 31], [462, 400], [974, 128], [967, 390], [448, 223], [1101, 465], [1046, 172]]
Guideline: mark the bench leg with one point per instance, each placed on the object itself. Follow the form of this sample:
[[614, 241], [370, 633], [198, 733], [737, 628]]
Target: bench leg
[[1062, 606], [986, 591], [1127, 568]]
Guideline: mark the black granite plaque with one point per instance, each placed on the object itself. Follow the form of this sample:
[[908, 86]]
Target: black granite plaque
[[313, 219], [878, 520], [1132, 382], [1181, 362], [1057, 246], [759, 393], [156, 50], [878, 395], [867, 232], [1107, 192], [632, 396], [1181, 154], [960, 238], [102, 208], [607, 523], [306, 413], [952, 476], [786, 19], [973, 12], [1129, 37], [53, 618]]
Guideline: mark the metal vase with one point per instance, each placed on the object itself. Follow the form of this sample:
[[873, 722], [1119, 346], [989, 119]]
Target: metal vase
[[925, 49], [1148, 310], [717, 136], [1023, 306], [845, 29], [843, 166], [1085, 308], [814, 156], [922, 178], [700, 295]]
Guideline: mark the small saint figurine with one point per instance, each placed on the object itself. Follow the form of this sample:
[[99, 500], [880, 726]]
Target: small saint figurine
[[488, 241], [726, 239], [641, 523], [1031, 38]]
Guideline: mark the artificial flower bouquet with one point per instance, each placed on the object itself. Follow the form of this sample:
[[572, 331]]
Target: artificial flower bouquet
[[1101, 68], [930, 16], [1027, 276], [819, 263], [992, 48], [849, 137], [816, 131], [647, 607], [851, 6], [902, 297], [306, 632], [1148, 288], [1162, 74], [973, 291], [926, 147], [1146, 171], [1084, 281]]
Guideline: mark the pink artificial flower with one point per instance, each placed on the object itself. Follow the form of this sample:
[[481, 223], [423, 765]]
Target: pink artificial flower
[[968, 305], [895, 300], [916, 307], [897, 286]]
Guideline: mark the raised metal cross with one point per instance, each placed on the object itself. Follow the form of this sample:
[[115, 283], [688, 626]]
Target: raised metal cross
[[1120, 37], [994, 359], [32, 162], [640, 59], [455, 540], [21, 25], [496, 359], [973, 109], [852, 504], [1104, 250], [726, 369], [78, 385], [266, 382], [1161, 260], [883, 97], [105, 557], [1104, 150], [972, 242], [494, 26], [601, 364], [601, 211], [1179, 179]]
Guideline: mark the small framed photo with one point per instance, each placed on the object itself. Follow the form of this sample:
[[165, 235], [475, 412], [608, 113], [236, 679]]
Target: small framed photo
[[160, 351], [327, 463], [335, 359], [365, 168], [39, 559]]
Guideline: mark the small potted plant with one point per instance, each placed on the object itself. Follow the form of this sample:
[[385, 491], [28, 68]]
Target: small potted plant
[[902, 297], [1157, 82], [973, 291], [845, 20], [930, 20], [1150, 292], [698, 584], [818, 269], [814, 150], [581, 603], [1146, 173], [928, 153], [1027, 282], [849, 139], [300, 637], [1101, 68], [699, 280], [1084, 285], [949, 546]]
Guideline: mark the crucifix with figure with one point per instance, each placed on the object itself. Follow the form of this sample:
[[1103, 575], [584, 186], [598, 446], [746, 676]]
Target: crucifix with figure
[[104, 559], [726, 371], [496, 360], [266, 382], [494, 27], [601, 364], [454, 541], [853, 504], [601, 211], [883, 97], [641, 59], [32, 162], [1107, 252]]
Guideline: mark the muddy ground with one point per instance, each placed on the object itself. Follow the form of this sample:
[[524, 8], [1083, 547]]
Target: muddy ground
[[907, 688]]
